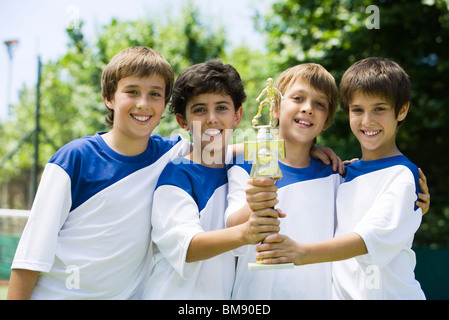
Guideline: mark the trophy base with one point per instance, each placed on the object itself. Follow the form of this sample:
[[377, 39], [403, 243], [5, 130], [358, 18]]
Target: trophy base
[[253, 266]]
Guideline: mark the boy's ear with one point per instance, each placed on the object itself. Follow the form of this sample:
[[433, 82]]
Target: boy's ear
[[238, 116], [403, 112], [182, 122], [108, 103], [276, 111]]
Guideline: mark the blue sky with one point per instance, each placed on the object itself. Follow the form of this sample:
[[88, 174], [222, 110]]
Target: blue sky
[[39, 26]]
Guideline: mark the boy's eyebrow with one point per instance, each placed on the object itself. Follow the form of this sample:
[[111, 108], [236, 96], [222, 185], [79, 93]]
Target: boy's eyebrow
[[203, 103], [222, 102], [380, 103], [320, 95], [138, 86], [372, 105]]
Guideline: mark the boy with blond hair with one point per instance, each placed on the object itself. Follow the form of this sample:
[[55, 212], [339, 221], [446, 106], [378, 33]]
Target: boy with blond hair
[[87, 236], [306, 192]]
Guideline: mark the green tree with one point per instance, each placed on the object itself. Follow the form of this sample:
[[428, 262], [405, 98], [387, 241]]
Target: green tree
[[71, 105], [337, 33]]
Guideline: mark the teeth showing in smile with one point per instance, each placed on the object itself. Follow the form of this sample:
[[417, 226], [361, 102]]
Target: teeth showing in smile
[[212, 132], [303, 122], [371, 133], [141, 118]]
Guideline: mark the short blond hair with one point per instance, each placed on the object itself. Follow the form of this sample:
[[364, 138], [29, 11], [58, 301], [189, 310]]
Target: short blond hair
[[317, 77], [137, 62]]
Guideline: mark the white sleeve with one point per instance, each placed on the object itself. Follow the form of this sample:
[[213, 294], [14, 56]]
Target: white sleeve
[[37, 247], [237, 182], [180, 149], [390, 224], [175, 221]]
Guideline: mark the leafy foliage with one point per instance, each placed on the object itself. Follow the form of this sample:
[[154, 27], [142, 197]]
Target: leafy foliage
[[413, 33]]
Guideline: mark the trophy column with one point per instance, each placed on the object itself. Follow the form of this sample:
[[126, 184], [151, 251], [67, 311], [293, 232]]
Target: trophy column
[[264, 154]]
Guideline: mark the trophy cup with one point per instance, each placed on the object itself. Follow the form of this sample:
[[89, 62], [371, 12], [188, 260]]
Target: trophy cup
[[264, 153]]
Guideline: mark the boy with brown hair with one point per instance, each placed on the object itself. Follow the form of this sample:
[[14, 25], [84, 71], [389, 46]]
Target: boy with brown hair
[[88, 236]]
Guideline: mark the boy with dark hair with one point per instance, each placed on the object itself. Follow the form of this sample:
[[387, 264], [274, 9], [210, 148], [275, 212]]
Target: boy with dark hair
[[192, 258]]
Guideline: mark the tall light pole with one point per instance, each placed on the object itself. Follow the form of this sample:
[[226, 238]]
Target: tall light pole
[[35, 168], [10, 44]]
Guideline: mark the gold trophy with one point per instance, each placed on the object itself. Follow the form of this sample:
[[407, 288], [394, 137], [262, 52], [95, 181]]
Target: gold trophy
[[264, 153]]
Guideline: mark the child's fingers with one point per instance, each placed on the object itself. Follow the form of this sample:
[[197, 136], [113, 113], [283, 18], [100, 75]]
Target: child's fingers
[[260, 205], [280, 213], [423, 202], [266, 228], [272, 260], [423, 197], [262, 192], [272, 255], [270, 242], [271, 249], [423, 182], [253, 189], [266, 214], [422, 175], [261, 195], [262, 182]]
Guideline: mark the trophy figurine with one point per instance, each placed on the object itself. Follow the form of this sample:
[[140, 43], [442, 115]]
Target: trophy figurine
[[264, 153], [270, 92]]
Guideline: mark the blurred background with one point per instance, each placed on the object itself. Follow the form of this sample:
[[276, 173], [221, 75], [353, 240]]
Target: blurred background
[[54, 52]]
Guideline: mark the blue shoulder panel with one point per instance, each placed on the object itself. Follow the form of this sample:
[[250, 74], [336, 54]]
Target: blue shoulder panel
[[93, 166], [198, 181]]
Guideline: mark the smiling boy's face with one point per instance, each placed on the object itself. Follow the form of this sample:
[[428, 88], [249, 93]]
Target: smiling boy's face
[[303, 113], [138, 106], [207, 117], [374, 123]]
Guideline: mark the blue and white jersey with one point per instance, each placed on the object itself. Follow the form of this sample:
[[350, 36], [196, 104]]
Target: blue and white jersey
[[307, 196], [189, 199], [88, 230], [377, 201]]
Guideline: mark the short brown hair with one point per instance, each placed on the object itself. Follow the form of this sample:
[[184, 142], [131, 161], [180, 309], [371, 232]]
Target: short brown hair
[[137, 62], [376, 76], [317, 77]]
